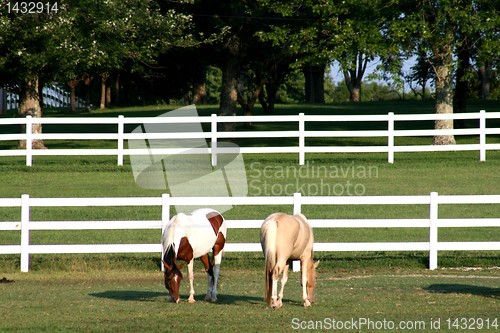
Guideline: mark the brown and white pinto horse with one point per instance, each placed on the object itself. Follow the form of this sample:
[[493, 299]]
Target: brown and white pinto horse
[[285, 238], [187, 237]]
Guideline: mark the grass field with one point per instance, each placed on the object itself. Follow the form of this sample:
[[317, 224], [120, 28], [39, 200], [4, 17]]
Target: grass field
[[135, 301], [66, 293]]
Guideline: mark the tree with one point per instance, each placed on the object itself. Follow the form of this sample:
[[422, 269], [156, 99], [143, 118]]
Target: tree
[[354, 70], [298, 34], [229, 19], [121, 34], [364, 30], [484, 44], [29, 47], [430, 26], [78, 39]]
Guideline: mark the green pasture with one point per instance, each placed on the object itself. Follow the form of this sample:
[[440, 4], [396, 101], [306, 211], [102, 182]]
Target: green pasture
[[135, 301]]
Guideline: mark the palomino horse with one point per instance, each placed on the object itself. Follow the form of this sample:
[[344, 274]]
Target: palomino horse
[[285, 238], [187, 237]]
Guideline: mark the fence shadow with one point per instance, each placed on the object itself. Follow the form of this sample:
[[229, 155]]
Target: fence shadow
[[455, 288]]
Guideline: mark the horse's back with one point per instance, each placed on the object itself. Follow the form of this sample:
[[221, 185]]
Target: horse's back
[[201, 229], [293, 234]]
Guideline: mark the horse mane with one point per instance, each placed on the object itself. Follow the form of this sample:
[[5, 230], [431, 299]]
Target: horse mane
[[168, 240]]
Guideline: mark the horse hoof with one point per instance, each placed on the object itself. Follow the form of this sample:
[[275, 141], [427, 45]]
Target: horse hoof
[[307, 303], [276, 304], [191, 300]]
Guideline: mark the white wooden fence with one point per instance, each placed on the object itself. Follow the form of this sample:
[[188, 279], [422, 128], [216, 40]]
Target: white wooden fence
[[433, 223], [214, 135]]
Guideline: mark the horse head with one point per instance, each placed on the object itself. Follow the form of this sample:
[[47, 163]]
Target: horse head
[[173, 278], [311, 280], [172, 275]]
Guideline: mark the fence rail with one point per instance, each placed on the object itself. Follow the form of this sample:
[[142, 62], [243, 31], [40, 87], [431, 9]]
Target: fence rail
[[433, 223], [214, 135]]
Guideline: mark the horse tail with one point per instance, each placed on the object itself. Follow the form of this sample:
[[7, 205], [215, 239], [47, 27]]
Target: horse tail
[[269, 232]]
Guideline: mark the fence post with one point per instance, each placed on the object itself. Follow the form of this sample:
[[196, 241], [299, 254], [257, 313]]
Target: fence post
[[25, 233], [297, 205], [213, 144], [297, 208], [165, 217], [29, 140], [433, 230], [482, 135], [390, 137], [302, 141], [121, 130]]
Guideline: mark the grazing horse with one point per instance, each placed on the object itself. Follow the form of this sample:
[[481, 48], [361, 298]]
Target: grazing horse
[[187, 237], [285, 238]]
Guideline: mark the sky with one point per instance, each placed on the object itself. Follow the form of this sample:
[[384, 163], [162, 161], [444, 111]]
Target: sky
[[337, 75]]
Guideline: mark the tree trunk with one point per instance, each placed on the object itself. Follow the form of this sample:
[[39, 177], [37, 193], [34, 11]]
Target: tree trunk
[[461, 84], [72, 88], [314, 84], [354, 77], [485, 79], [104, 78], [353, 85], [29, 105], [355, 94], [424, 84], [267, 97], [247, 101], [200, 87], [108, 95], [229, 89], [88, 101], [444, 92], [249, 89], [117, 90]]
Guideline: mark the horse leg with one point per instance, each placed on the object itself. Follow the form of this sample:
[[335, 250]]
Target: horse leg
[[191, 281], [216, 274], [210, 276], [303, 268], [213, 279], [284, 279], [274, 293], [281, 266]]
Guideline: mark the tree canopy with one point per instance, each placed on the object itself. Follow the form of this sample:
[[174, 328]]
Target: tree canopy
[[168, 49]]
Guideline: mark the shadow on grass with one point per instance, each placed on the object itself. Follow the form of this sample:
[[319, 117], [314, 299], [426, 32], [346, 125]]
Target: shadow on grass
[[129, 295], [449, 288], [151, 296], [225, 299]]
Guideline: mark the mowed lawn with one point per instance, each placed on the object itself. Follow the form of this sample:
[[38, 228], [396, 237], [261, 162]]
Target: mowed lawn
[[135, 301]]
